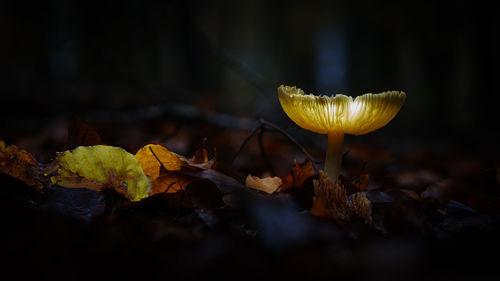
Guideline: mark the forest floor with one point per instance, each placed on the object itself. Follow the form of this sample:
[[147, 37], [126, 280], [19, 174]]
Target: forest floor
[[435, 211]]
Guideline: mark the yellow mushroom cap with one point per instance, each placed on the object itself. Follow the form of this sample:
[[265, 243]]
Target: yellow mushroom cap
[[323, 114]]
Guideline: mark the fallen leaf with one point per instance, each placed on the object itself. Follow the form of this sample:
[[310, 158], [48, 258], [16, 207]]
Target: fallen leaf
[[349, 186], [298, 175], [225, 183], [200, 156], [164, 204], [153, 157], [363, 182], [98, 166], [268, 185], [80, 203], [171, 182], [205, 194], [302, 196], [18, 163], [198, 161]]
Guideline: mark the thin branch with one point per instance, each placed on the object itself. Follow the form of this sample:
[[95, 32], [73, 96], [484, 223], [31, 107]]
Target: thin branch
[[264, 154], [247, 139], [275, 127], [260, 131]]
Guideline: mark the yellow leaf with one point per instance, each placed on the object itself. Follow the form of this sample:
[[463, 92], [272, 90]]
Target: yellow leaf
[[100, 165], [150, 157], [268, 185]]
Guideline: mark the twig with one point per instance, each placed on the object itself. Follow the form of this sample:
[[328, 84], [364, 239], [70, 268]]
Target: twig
[[263, 152], [260, 130], [275, 127], [244, 143]]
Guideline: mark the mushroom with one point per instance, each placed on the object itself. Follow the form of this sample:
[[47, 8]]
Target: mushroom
[[338, 115]]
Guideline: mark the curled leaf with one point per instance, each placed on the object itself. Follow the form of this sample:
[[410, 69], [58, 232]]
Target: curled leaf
[[268, 185], [363, 182], [299, 174], [200, 156], [198, 161], [100, 165], [171, 182], [18, 163]]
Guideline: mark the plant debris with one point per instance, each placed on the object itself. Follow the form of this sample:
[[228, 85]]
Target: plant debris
[[164, 205]]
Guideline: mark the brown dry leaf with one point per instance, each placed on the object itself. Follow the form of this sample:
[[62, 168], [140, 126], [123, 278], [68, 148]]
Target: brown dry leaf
[[200, 156], [299, 174], [198, 161], [363, 182], [223, 181], [171, 182], [98, 166], [18, 163], [154, 156], [268, 185]]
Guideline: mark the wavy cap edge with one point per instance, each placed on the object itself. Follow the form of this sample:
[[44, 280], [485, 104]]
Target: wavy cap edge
[[323, 114]]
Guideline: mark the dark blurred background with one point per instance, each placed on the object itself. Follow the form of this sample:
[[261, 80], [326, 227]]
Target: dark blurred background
[[97, 61]]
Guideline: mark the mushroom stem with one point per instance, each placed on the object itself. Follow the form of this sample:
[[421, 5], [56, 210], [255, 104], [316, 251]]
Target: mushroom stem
[[334, 154]]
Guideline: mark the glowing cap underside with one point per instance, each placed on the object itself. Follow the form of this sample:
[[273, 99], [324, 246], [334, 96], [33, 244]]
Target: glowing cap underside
[[323, 114]]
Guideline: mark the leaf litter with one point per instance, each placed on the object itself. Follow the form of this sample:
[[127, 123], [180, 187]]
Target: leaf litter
[[95, 183]]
